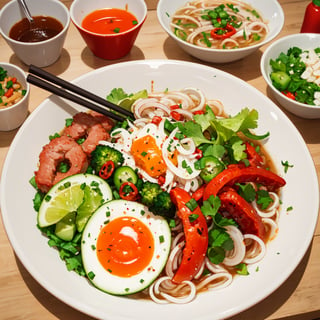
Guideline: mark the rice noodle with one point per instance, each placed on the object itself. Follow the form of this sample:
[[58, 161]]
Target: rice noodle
[[257, 250]]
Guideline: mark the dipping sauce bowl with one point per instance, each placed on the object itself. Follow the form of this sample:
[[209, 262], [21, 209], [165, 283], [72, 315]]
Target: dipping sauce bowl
[[112, 45], [11, 117], [39, 53]]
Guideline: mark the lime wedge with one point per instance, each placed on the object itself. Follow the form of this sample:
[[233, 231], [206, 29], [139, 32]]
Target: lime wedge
[[92, 200], [69, 194], [58, 203], [66, 227], [128, 101]]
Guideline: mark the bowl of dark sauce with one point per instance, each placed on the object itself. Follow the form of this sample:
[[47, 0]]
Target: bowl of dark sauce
[[39, 42], [42, 28]]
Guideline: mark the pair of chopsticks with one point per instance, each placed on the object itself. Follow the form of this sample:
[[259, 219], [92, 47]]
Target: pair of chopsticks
[[70, 91]]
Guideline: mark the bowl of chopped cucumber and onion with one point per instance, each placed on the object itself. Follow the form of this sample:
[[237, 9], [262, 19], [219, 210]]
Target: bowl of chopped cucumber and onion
[[291, 68]]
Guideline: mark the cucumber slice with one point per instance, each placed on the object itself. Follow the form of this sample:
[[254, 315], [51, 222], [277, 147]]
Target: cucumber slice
[[124, 174]]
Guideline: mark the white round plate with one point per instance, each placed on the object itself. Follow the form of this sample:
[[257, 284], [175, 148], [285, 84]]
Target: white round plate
[[285, 144]]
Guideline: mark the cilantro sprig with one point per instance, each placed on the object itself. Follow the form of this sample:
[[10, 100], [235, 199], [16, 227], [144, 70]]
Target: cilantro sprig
[[219, 239]]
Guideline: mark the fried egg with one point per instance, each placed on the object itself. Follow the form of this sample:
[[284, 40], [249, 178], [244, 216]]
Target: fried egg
[[124, 247]]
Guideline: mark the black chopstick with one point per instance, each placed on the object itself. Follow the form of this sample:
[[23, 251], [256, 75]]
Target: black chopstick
[[78, 90], [67, 95]]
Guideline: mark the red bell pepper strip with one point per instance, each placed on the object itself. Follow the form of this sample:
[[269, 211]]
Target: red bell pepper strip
[[243, 213], [198, 194], [237, 174], [254, 157], [196, 236]]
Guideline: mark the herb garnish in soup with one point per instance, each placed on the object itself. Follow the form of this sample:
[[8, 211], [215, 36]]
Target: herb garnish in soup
[[219, 24]]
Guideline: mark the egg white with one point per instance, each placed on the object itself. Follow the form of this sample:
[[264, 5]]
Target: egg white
[[107, 281]]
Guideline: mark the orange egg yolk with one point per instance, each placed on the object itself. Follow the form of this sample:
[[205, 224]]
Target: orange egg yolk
[[148, 156], [125, 246]]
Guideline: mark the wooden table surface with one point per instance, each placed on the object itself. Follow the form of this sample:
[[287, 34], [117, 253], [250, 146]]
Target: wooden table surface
[[21, 297]]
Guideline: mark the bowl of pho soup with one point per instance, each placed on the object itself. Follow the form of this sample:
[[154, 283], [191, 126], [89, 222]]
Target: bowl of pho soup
[[221, 31]]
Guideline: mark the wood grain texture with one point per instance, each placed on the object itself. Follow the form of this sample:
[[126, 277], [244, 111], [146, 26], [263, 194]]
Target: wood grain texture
[[21, 297]]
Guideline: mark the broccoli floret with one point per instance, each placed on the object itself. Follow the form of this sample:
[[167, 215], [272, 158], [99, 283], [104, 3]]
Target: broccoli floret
[[163, 206], [158, 201], [102, 154], [148, 192]]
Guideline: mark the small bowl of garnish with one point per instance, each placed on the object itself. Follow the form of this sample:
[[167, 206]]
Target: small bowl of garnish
[[221, 31], [291, 68], [109, 27], [39, 42], [14, 96]]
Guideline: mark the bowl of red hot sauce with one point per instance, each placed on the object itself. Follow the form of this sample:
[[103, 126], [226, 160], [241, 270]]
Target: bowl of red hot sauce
[[109, 27]]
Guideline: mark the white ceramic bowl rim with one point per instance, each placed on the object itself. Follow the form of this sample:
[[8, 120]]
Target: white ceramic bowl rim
[[4, 65], [244, 292], [30, 44], [267, 39], [266, 76], [140, 22]]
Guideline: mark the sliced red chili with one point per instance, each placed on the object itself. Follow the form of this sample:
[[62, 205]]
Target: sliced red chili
[[199, 112], [223, 33], [161, 180], [106, 170], [174, 107], [233, 174], [126, 194], [242, 212], [176, 115], [156, 120], [196, 236], [289, 94], [199, 153]]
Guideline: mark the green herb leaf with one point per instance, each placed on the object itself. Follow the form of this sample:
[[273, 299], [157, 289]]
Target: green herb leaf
[[264, 199], [286, 165], [211, 206], [242, 269], [227, 127], [216, 255], [194, 131], [193, 217], [247, 191], [192, 204]]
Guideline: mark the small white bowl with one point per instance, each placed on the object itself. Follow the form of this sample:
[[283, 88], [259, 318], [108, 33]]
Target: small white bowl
[[300, 40], [12, 117], [269, 9], [43, 53]]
